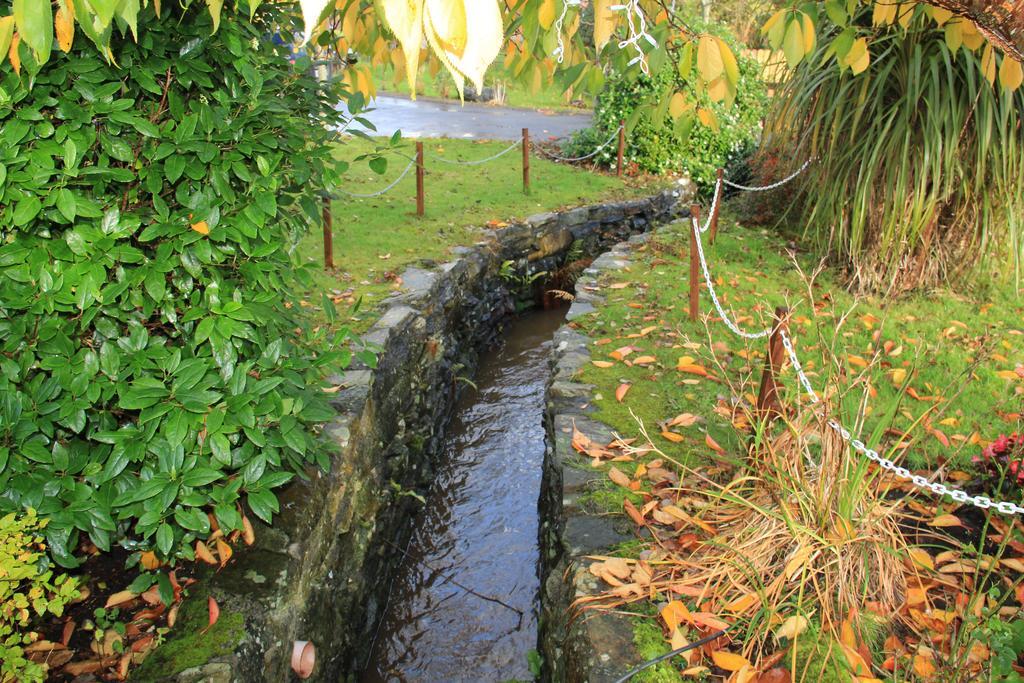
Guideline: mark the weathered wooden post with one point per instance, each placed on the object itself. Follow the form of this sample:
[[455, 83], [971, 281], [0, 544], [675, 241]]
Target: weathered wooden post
[[328, 233], [421, 199], [768, 396], [694, 264], [622, 148], [526, 161], [718, 206]]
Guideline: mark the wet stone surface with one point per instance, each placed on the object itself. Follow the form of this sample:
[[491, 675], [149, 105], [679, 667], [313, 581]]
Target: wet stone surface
[[597, 648]]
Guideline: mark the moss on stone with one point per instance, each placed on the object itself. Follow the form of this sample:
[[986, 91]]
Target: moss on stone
[[608, 498], [188, 645], [650, 643]]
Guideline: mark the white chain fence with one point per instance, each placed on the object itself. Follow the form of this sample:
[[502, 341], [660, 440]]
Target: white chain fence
[[555, 157], [714, 297], [477, 162], [385, 190], [780, 183], [938, 488]]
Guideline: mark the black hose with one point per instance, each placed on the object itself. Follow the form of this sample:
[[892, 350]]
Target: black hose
[[669, 655]]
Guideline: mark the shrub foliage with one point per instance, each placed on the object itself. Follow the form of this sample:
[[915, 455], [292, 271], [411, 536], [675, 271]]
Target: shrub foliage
[[661, 140], [154, 366], [28, 588]]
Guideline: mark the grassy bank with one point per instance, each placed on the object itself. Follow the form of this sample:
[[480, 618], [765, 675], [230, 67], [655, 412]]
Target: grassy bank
[[775, 543], [941, 361], [375, 239]]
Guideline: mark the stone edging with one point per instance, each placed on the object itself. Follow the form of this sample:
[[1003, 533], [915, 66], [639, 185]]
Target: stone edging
[[592, 646], [321, 573]]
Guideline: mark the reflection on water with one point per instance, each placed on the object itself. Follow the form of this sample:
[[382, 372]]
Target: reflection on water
[[479, 527]]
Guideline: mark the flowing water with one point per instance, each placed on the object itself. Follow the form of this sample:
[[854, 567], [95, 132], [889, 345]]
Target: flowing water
[[474, 545]]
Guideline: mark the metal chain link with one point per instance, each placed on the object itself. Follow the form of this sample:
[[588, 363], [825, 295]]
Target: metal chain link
[[773, 185], [938, 488], [583, 158], [386, 189], [714, 297], [478, 161], [714, 206]]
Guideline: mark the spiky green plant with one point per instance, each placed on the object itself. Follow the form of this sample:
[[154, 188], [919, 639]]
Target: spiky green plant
[[920, 178]]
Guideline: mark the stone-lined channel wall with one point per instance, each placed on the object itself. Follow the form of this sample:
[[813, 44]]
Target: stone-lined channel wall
[[579, 646], [322, 572]]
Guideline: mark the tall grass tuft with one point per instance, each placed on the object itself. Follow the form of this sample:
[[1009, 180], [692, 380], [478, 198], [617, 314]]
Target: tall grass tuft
[[920, 178]]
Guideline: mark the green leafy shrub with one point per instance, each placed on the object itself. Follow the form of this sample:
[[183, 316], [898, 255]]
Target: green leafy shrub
[[28, 588], [154, 365], [655, 142]]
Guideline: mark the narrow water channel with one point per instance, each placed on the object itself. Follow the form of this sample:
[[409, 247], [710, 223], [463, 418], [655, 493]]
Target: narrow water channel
[[478, 529]]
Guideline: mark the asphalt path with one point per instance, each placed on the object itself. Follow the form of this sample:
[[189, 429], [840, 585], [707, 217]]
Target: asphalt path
[[433, 118]]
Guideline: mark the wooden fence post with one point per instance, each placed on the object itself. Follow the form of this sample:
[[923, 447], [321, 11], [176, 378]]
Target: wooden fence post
[[694, 265], [421, 199], [526, 161], [328, 234], [718, 206], [768, 396], [622, 148]]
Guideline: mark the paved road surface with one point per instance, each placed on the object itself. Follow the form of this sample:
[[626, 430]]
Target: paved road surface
[[430, 118]]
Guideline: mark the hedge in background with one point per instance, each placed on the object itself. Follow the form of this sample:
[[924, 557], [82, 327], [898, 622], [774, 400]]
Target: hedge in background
[[154, 366], [658, 141]]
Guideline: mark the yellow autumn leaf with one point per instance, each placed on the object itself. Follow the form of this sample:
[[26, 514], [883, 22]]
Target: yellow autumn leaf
[[972, 37], [674, 614], [64, 27], [1011, 75], [988, 64], [405, 18], [546, 14], [677, 105], [793, 43], [708, 118], [809, 33], [6, 34], [604, 22], [899, 375], [709, 58], [718, 89], [858, 58], [728, 660], [743, 603], [921, 558], [729, 63], [792, 627], [12, 53], [449, 22], [940, 15], [465, 54], [201, 227]]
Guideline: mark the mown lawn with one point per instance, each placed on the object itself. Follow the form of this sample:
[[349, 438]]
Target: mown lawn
[[942, 366], [376, 239]]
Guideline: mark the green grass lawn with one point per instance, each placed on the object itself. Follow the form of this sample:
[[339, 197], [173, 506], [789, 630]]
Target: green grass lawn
[[517, 94], [943, 356], [375, 239]]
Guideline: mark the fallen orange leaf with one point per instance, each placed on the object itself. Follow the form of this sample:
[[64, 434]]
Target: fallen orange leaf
[[620, 393], [201, 227]]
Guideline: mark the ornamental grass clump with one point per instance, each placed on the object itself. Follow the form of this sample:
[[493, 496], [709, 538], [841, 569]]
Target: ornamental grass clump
[[919, 178]]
